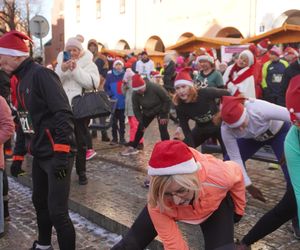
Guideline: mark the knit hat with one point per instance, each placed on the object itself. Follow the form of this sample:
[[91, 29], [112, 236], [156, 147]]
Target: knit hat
[[292, 97], [137, 82], [118, 62], [233, 111], [290, 51], [74, 42], [264, 44], [172, 157], [249, 55], [275, 50], [92, 41], [12, 44], [183, 78]]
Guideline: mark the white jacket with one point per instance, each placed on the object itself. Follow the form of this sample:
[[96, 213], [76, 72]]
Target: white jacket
[[82, 77]]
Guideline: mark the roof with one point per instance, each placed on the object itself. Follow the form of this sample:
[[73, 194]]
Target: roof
[[193, 43], [288, 33]]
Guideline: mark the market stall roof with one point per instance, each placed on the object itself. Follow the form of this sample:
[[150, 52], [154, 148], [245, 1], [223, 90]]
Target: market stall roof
[[128, 51], [288, 33], [194, 42]]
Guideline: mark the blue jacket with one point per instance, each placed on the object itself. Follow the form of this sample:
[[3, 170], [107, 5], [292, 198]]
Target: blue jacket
[[113, 87]]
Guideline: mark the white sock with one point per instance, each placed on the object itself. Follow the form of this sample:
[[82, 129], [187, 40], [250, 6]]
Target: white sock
[[42, 247]]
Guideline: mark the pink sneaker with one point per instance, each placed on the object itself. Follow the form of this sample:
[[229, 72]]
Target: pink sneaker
[[90, 153]]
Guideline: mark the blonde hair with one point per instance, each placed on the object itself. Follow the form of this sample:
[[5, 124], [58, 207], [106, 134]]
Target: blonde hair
[[159, 184]]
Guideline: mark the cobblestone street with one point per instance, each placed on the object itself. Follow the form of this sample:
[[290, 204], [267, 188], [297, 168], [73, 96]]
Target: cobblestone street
[[21, 229], [114, 196]]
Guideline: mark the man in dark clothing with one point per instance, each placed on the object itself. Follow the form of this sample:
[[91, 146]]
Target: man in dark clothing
[[46, 132], [149, 101], [290, 72]]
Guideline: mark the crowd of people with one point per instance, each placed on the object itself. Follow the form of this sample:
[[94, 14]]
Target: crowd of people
[[242, 105]]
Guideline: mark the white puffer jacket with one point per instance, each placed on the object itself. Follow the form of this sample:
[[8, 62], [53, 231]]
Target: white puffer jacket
[[82, 77]]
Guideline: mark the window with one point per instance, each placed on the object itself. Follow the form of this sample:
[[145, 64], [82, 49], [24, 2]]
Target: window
[[122, 6], [77, 11], [98, 9]]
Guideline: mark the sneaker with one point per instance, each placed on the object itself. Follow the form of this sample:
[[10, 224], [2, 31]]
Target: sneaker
[[122, 141], [113, 142], [129, 151], [35, 246], [90, 153], [82, 179], [140, 146]]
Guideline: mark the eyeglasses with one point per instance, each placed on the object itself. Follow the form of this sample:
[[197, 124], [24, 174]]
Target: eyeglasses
[[179, 193]]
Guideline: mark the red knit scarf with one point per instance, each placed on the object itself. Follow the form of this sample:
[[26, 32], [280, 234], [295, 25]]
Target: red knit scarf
[[241, 77]]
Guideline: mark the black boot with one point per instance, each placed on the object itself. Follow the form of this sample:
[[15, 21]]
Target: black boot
[[82, 179]]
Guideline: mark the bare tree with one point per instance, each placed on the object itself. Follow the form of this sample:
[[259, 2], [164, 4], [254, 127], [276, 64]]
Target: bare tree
[[10, 16]]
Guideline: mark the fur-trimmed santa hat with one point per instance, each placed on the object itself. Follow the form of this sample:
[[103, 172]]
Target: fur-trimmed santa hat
[[264, 44], [233, 111], [208, 55], [172, 157], [183, 77], [137, 82], [13, 44]]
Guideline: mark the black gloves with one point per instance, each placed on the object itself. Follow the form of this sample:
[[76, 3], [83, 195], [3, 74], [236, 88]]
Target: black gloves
[[60, 165], [15, 168], [237, 217]]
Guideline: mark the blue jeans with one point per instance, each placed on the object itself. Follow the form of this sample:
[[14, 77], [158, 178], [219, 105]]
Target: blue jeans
[[1, 203]]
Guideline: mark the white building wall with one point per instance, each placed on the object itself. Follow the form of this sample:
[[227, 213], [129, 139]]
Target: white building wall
[[169, 19]]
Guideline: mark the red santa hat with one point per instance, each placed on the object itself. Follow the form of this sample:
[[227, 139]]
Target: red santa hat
[[208, 55], [13, 44], [292, 97], [290, 51], [137, 82], [183, 77], [155, 74], [172, 157], [233, 111], [118, 61], [264, 44]]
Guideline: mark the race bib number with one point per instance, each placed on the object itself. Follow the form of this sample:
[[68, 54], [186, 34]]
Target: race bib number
[[26, 122], [276, 78]]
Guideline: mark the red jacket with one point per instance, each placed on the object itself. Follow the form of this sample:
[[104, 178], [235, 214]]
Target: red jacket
[[260, 61]]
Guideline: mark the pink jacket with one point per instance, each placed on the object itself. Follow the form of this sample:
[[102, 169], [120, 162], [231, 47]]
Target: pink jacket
[[217, 178], [6, 127]]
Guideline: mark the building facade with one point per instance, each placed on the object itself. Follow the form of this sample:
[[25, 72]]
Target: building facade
[[157, 24]]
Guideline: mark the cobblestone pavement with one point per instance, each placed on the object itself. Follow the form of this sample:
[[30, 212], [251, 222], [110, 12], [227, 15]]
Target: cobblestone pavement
[[114, 190], [21, 229]]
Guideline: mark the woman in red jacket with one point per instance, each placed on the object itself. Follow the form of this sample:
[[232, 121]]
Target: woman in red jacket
[[193, 188]]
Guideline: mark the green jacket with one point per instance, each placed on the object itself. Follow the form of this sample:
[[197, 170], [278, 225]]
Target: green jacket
[[155, 101]]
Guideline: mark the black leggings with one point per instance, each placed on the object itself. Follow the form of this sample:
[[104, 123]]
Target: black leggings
[[163, 130], [50, 199], [217, 230], [285, 210]]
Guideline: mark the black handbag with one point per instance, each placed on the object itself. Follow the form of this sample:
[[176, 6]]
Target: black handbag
[[91, 104]]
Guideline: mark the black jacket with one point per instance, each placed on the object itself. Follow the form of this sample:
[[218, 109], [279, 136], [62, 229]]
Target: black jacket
[[40, 92], [4, 85], [169, 76], [155, 101], [289, 73]]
